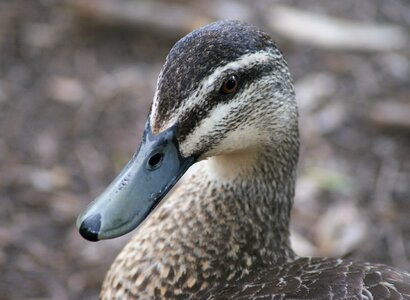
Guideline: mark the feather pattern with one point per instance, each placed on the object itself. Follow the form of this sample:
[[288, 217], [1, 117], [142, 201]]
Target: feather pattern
[[318, 278]]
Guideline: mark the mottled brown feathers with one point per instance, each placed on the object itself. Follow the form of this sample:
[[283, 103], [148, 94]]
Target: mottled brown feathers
[[202, 235], [318, 278]]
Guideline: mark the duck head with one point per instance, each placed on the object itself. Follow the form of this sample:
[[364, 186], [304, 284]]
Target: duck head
[[224, 88]]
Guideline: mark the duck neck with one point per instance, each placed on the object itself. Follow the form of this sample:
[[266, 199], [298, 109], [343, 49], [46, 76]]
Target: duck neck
[[228, 217], [258, 188]]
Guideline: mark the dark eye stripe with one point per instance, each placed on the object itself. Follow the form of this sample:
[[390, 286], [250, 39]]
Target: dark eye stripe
[[201, 110]]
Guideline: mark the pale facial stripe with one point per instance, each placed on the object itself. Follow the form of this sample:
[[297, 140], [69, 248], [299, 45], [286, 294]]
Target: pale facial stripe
[[220, 114], [207, 84]]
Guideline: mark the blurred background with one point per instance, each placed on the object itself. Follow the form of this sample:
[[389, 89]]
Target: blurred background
[[76, 81]]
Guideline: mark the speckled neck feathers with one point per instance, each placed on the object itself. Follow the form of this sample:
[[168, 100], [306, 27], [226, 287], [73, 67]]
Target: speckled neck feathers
[[210, 230]]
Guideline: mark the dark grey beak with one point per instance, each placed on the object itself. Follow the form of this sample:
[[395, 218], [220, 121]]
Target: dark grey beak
[[146, 179]]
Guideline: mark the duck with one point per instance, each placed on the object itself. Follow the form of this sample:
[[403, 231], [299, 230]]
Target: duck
[[211, 187]]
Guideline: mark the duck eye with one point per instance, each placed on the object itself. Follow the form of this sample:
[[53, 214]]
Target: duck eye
[[230, 85]]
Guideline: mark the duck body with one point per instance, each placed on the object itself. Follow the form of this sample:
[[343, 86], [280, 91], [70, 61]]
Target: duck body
[[318, 278], [225, 109]]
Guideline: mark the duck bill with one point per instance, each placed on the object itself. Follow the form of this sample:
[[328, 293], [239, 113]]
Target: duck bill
[[138, 189]]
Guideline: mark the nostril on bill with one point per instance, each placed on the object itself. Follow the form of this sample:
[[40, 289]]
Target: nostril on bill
[[155, 160]]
